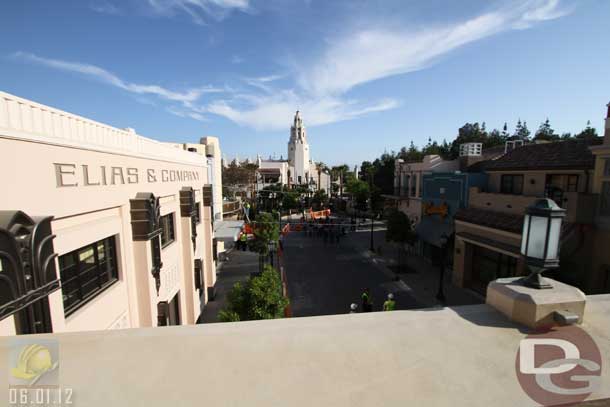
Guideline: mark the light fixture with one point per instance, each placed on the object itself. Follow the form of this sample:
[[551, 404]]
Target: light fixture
[[540, 240]]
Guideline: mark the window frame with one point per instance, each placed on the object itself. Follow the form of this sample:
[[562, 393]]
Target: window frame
[[106, 264], [167, 234], [511, 189]]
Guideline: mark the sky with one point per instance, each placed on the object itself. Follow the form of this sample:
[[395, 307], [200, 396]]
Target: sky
[[367, 76]]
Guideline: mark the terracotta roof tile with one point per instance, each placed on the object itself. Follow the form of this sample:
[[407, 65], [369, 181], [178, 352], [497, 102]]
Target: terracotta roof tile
[[569, 154]]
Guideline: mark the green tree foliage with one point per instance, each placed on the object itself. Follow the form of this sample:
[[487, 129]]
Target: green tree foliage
[[545, 132], [472, 133], [359, 190], [521, 131], [320, 199], [266, 229], [259, 297], [589, 133], [239, 174], [400, 227], [290, 200]]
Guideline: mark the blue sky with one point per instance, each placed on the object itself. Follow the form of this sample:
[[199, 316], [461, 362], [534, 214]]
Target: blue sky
[[368, 76]]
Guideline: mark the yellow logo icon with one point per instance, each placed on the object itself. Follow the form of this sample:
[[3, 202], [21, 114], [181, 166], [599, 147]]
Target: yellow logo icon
[[34, 361]]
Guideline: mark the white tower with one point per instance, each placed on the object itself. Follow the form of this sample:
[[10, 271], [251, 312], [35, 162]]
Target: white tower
[[298, 151]]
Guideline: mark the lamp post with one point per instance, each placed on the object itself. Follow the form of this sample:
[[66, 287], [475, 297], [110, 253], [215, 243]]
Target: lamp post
[[372, 248], [441, 294], [540, 240]]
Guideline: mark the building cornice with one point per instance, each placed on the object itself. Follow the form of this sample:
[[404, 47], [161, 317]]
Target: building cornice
[[25, 120]]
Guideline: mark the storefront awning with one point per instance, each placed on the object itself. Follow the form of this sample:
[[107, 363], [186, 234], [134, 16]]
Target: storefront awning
[[430, 230], [227, 230]]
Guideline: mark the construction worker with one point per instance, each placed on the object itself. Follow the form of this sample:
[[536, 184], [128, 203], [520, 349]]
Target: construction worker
[[367, 302], [389, 304], [352, 308], [243, 240]]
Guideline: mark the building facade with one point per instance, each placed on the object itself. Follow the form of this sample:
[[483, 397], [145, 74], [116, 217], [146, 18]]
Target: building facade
[[488, 231], [600, 255], [299, 169], [408, 183], [100, 228]]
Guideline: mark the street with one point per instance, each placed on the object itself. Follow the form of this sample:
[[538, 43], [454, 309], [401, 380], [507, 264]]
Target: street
[[326, 279]]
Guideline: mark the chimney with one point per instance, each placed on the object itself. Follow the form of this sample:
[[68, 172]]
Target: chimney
[[470, 153], [607, 128]]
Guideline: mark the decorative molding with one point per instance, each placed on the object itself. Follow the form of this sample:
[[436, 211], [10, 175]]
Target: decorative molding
[[207, 195], [146, 225], [189, 209], [27, 256], [145, 216], [24, 119]]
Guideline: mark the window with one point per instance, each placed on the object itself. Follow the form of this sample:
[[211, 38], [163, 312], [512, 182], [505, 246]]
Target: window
[[512, 184], [607, 167], [198, 212], [167, 230], [572, 183], [414, 185], [86, 272]]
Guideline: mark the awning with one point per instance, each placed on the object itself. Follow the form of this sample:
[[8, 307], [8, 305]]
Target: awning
[[227, 230], [431, 229]]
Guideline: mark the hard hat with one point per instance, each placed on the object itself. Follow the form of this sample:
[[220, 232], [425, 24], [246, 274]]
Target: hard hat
[[353, 306], [390, 296]]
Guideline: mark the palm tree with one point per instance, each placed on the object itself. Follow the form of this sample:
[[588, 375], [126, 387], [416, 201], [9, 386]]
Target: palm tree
[[320, 167]]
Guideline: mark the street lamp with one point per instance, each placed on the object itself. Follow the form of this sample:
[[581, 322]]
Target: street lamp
[[443, 241], [540, 240], [372, 248]]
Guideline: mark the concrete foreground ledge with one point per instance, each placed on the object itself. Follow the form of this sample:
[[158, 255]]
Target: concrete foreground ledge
[[532, 307]]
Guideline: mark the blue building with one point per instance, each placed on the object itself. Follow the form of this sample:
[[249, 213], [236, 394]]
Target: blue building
[[443, 194]]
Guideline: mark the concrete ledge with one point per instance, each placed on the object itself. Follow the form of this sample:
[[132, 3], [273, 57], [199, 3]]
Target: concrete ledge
[[532, 307]]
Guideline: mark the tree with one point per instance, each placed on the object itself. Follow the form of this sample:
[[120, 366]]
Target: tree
[[399, 231], [505, 135], [545, 132], [266, 229], [588, 134], [359, 190], [521, 131], [468, 133], [260, 297], [320, 199], [339, 173], [412, 154]]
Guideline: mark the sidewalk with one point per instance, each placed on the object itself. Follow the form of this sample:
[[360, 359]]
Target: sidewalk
[[237, 268], [423, 280]]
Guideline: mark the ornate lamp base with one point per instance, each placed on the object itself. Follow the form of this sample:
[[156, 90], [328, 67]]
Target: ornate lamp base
[[535, 279]]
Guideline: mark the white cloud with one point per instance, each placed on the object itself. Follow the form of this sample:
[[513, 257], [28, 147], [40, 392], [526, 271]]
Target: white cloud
[[198, 10], [320, 88], [105, 8], [188, 96], [378, 52], [236, 59], [273, 111]]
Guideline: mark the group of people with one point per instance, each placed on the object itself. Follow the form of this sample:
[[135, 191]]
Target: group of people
[[325, 228], [367, 303]]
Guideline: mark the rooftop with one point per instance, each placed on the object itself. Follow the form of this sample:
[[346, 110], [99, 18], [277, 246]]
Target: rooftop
[[569, 154], [461, 356]]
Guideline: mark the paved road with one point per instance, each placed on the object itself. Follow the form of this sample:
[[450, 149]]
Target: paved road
[[326, 279]]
